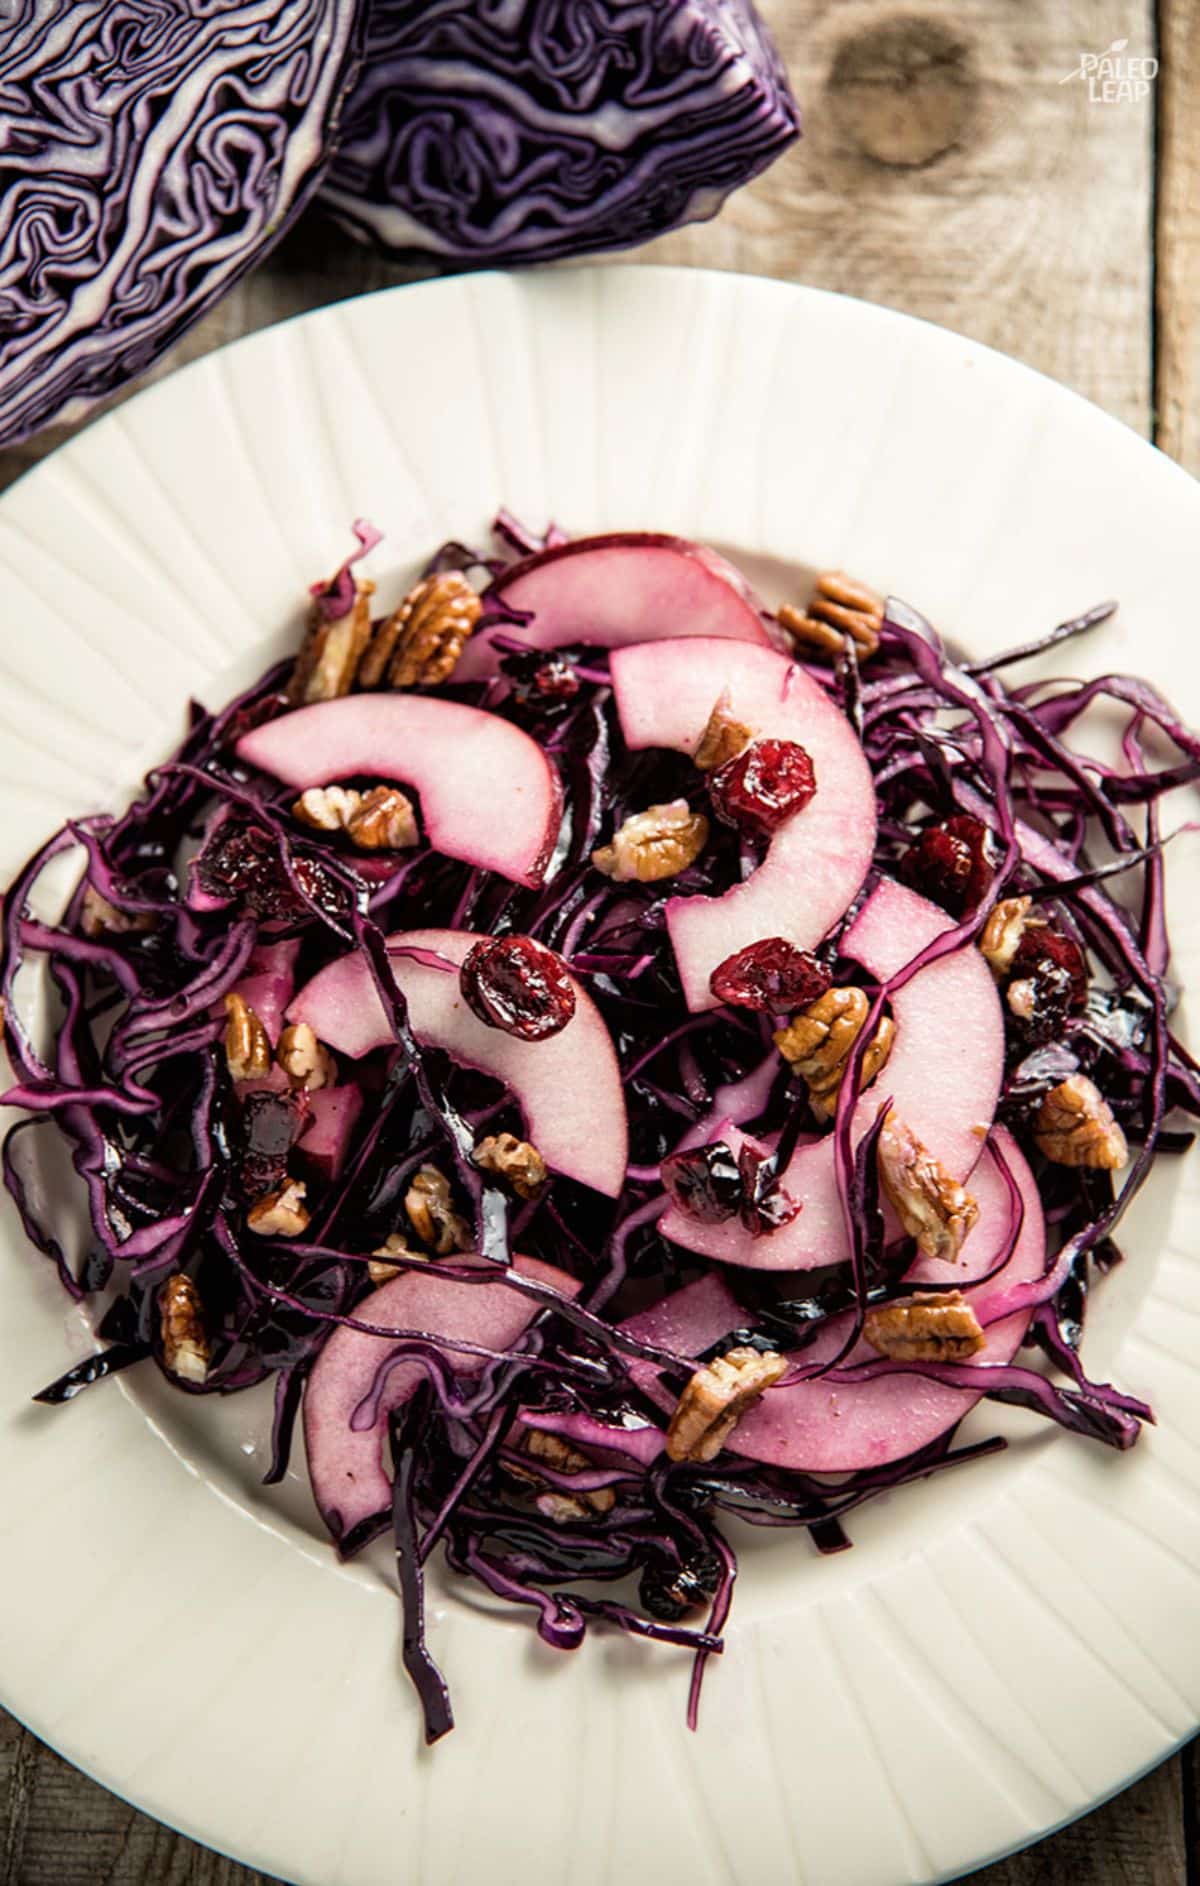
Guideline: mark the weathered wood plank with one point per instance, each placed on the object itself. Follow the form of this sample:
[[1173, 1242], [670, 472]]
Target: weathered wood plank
[[1177, 284], [1191, 1812], [946, 171], [60, 1829], [1135, 1840]]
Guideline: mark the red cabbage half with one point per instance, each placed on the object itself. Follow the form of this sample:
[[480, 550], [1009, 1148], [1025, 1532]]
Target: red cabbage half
[[152, 151], [491, 131]]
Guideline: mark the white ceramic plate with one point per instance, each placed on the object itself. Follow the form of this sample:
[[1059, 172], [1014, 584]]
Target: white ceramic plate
[[1003, 1647]]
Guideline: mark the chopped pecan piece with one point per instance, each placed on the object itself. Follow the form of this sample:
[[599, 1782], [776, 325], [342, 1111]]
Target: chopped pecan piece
[[432, 1215], [181, 1321], [807, 635], [932, 1326], [306, 1061], [818, 1041], [98, 917], [333, 647], [384, 821], [558, 1454], [1002, 933], [715, 1400], [421, 641], [723, 738], [1075, 1126], [562, 1508], [281, 1214], [929, 1202], [839, 608], [512, 1159], [379, 1269], [658, 843], [327, 808], [247, 1044]]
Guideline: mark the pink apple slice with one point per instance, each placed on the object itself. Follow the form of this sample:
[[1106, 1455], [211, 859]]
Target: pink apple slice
[[665, 692], [488, 793], [637, 1441], [568, 1086], [346, 1405], [634, 586], [943, 1077], [333, 1116], [687, 1322], [269, 983], [821, 1426]]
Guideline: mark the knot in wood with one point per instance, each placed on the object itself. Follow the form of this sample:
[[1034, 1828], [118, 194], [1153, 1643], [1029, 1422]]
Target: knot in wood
[[903, 92]]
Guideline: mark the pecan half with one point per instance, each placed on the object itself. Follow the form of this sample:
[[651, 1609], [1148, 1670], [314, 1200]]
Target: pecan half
[[658, 843], [513, 1159], [98, 917], [333, 647], [724, 736], [715, 1400], [931, 1326], [421, 641], [185, 1344], [281, 1214], [327, 808], [839, 607], [818, 1041], [247, 1044], [557, 1504], [432, 1215], [1002, 933], [306, 1061], [384, 821], [1075, 1126], [379, 1269], [929, 1202]]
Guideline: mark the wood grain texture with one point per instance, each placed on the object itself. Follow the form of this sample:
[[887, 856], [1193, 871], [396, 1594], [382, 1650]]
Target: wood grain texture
[[60, 1829], [1190, 1777], [1135, 1840], [946, 171], [1177, 285], [1029, 230]]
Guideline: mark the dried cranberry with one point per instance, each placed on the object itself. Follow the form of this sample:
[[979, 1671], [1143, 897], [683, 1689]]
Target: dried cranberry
[[954, 863], [669, 1591], [770, 976], [519, 986], [1048, 984], [763, 786], [705, 1182], [765, 1205], [270, 1127], [241, 862], [318, 886], [1040, 948], [540, 678]]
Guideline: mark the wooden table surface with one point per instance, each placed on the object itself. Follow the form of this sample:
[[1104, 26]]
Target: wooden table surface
[[951, 168]]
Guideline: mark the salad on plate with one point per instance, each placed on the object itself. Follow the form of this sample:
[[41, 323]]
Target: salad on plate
[[621, 1061]]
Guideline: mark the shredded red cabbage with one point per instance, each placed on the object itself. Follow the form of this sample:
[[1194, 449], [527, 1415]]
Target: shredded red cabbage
[[127, 1065]]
